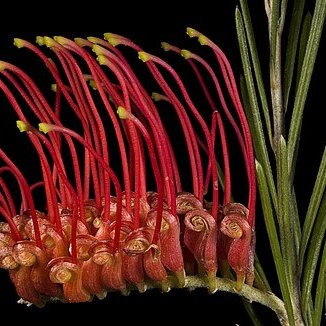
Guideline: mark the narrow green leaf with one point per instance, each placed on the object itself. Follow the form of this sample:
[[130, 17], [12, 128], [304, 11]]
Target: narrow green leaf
[[286, 229], [313, 255], [258, 134], [251, 313], [302, 49], [320, 290], [247, 107], [256, 65], [314, 204], [325, 300], [305, 78], [303, 44], [310, 312], [292, 47], [261, 281], [296, 222], [284, 5], [268, 213]]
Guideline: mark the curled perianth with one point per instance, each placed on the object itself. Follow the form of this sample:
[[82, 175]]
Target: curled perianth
[[138, 241], [171, 251], [200, 237], [32, 262], [186, 202], [152, 200], [64, 271], [236, 227]]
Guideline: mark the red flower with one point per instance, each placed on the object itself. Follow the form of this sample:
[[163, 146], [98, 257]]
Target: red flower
[[239, 245], [137, 187]]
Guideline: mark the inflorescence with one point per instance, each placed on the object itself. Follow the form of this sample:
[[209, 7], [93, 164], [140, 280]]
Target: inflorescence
[[119, 213]]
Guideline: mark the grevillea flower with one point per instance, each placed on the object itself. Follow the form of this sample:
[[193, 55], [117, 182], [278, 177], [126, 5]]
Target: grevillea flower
[[137, 186]]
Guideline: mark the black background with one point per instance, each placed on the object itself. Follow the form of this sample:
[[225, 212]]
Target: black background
[[148, 25]]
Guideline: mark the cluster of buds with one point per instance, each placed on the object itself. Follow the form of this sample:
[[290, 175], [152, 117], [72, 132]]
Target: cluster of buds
[[125, 218]]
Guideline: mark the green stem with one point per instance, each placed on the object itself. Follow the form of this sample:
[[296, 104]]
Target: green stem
[[252, 294], [276, 92]]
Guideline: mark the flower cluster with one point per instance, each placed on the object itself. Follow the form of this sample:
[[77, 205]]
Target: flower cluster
[[119, 212]]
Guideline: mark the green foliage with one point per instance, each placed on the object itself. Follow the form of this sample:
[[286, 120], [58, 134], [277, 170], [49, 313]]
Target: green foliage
[[299, 254]]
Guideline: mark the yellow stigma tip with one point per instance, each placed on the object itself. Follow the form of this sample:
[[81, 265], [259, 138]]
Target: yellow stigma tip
[[192, 32], [122, 112], [97, 49], [143, 56], [186, 54], [202, 39], [101, 58], [114, 41], [44, 127], [2, 65], [165, 46], [54, 87], [92, 39], [156, 97], [108, 35], [40, 40], [60, 39], [48, 41], [159, 97], [22, 126], [92, 84], [18, 42], [79, 41]]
